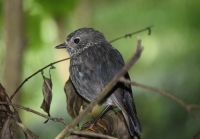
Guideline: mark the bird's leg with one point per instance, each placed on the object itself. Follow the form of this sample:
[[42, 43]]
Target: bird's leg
[[107, 108], [97, 119]]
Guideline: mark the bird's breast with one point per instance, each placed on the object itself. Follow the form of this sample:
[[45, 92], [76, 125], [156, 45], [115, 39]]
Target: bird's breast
[[84, 79]]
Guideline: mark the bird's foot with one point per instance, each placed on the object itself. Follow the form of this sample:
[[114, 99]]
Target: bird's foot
[[89, 126], [94, 127], [102, 126]]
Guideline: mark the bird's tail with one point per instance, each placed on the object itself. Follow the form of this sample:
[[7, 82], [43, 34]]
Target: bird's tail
[[131, 117]]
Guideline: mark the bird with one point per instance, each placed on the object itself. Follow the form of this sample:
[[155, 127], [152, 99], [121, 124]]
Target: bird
[[93, 63]]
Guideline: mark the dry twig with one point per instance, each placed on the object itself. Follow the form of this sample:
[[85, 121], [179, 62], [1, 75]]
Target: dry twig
[[188, 107], [131, 34], [91, 134], [35, 112], [40, 70], [196, 135]]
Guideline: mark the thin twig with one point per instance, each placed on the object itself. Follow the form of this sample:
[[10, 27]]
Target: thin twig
[[40, 70], [196, 135], [104, 92], [188, 107], [91, 134], [83, 133], [130, 34], [35, 112], [28, 131]]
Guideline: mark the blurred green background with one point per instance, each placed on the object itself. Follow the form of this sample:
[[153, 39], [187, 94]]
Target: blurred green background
[[170, 60]]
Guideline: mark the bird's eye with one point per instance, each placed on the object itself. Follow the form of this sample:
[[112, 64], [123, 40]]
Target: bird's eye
[[76, 40]]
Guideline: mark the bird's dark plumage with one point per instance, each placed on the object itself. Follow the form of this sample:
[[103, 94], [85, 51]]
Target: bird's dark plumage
[[93, 63]]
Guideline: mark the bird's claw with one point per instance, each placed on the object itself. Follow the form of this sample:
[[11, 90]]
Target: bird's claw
[[90, 126], [102, 126]]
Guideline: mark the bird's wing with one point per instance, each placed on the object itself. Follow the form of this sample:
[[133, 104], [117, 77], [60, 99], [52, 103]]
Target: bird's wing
[[122, 95]]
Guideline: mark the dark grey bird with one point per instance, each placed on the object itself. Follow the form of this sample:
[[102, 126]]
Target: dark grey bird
[[93, 63]]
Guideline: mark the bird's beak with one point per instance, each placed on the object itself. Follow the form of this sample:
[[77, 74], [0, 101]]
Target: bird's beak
[[61, 46]]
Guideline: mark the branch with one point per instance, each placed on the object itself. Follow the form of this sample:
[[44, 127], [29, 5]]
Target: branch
[[130, 34], [91, 134], [31, 134], [104, 92], [35, 112], [40, 70], [28, 131], [83, 133], [8, 100], [188, 107], [196, 135]]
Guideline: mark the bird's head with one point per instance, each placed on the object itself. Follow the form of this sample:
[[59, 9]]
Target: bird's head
[[80, 40]]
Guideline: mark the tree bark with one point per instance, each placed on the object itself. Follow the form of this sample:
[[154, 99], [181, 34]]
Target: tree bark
[[14, 40]]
